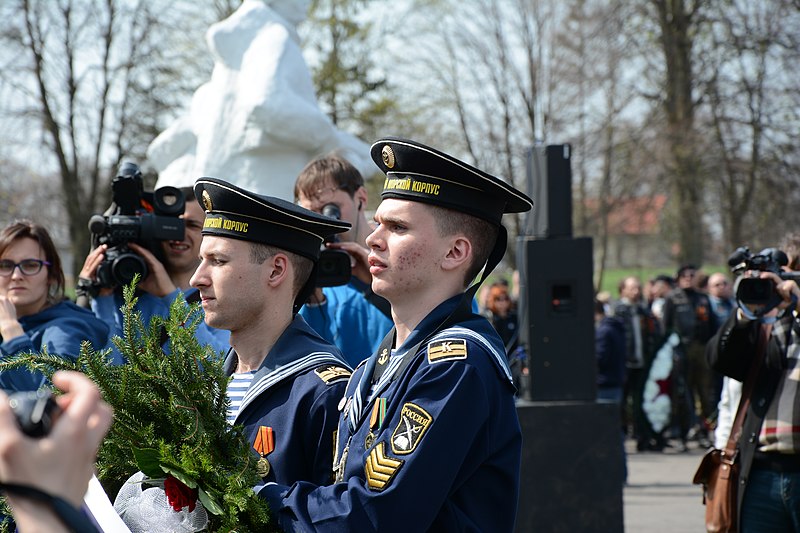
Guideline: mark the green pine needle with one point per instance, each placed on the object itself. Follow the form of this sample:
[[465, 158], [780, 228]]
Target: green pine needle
[[174, 408]]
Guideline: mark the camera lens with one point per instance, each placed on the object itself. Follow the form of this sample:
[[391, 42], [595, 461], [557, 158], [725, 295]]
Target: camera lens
[[755, 291], [126, 266]]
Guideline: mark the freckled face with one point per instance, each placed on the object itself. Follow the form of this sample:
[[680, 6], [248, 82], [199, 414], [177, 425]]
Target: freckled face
[[406, 251]]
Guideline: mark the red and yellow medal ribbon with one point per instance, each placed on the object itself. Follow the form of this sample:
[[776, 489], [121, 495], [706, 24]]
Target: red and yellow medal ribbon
[[265, 441]]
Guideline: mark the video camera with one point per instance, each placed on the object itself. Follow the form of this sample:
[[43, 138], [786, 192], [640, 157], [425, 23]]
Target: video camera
[[135, 216], [334, 265], [757, 291]]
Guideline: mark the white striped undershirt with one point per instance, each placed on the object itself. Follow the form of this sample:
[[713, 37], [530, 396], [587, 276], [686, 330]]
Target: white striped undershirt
[[237, 388]]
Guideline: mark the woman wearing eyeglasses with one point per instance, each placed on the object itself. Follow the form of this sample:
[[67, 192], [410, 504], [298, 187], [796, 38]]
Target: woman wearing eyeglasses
[[34, 315]]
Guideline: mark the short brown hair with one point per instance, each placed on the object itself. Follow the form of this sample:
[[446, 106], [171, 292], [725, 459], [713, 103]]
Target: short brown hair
[[330, 168], [480, 233], [22, 229], [302, 265]]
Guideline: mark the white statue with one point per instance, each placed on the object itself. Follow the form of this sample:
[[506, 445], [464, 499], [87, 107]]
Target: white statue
[[256, 123]]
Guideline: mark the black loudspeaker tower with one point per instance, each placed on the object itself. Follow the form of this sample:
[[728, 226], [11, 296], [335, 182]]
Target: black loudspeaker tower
[[550, 185], [571, 476], [572, 471], [557, 323]]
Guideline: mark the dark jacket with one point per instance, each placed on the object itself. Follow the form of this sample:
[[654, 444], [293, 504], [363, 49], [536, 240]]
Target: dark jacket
[[731, 352], [687, 312], [507, 328], [444, 457], [649, 328], [609, 342], [296, 392]]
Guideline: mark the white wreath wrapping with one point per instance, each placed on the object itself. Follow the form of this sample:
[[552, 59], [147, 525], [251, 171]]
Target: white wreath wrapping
[[656, 402], [148, 511]]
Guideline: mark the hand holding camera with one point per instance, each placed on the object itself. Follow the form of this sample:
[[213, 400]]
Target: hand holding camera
[[136, 220], [763, 284], [61, 461], [359, 262], [36, 411], [334, 266]]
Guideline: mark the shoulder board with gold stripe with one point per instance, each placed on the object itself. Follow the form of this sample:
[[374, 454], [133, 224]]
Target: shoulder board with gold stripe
[[447, 350], [332, 374]]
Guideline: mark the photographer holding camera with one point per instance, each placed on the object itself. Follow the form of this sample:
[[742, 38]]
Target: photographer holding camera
[[156, 235], [45, 478], [769, 444], [350, 315]]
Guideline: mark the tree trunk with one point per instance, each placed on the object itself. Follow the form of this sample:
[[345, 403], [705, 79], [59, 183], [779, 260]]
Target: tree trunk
[[677, 29]]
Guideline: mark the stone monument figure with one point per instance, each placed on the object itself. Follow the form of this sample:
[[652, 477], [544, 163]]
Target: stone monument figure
[[256, 122]]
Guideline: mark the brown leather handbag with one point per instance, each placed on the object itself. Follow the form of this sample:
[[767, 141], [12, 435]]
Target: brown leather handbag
[[719, 469], [719, 474]]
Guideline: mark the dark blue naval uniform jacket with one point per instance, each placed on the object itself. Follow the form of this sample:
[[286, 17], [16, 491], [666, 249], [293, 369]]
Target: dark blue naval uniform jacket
[[296, 392], [446, 454]]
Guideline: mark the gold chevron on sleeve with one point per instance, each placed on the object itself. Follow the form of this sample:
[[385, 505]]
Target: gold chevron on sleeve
[[332, 374], [380, 469]]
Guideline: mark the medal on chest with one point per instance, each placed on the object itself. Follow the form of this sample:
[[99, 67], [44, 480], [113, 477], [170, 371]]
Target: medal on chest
[[264, 444], [375, 421]]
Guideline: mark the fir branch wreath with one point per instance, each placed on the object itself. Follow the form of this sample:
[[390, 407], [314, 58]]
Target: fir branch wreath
[[169, 417]]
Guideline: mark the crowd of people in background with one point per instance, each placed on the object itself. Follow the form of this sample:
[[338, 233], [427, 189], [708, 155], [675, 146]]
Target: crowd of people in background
[[691, 307], [630, 329]]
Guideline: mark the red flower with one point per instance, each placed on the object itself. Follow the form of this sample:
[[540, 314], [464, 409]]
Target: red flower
[[179, 495]]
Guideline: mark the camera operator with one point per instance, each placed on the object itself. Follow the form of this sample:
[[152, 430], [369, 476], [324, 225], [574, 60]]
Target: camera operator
[[349, 316], [768, 499], [164, 280]]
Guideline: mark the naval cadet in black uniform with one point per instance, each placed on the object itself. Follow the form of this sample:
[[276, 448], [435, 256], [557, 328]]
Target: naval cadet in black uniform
[[428, 437], [258, 262]]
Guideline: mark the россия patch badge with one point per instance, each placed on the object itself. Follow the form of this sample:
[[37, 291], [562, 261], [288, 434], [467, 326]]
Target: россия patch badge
[[414, 422]]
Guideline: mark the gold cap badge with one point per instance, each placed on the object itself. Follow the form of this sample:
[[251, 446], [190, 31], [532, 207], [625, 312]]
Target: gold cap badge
[[388, 156], [207, 201]]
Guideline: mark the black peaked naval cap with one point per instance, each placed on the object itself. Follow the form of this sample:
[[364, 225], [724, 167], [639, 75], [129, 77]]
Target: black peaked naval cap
[[239, 214], [420, 173]]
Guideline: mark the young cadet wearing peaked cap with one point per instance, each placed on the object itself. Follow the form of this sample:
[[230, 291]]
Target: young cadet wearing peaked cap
[[428, 436], [258, 257]]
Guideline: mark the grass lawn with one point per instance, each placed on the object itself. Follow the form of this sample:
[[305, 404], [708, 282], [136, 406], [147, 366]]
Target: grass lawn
[[612, 277]]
